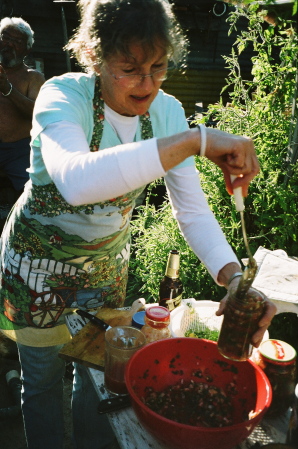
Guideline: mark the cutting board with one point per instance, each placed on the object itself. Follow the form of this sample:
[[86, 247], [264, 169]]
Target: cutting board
[[88, 345]]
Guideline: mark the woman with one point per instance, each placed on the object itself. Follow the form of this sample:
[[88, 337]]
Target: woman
[[66, 244]]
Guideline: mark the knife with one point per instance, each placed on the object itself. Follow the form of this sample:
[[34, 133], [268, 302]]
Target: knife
[[94, 319], [251, 269], [113, 404]]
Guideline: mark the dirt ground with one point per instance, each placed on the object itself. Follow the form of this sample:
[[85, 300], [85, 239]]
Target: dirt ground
[[11, 429]]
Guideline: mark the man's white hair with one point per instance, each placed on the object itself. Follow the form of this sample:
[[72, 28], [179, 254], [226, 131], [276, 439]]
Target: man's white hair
[[21, 25]]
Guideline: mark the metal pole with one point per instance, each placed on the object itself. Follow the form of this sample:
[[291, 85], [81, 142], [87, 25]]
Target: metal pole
[[68, 64], [64, 28]]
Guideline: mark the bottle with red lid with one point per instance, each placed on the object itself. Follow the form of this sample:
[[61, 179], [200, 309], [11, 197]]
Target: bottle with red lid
[[157, 320], [278, 361]]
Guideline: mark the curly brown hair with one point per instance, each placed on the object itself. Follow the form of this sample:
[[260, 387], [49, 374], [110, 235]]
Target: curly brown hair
[[109, 27]]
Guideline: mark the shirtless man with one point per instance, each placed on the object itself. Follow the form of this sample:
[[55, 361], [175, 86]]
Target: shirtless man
[[19, 86]]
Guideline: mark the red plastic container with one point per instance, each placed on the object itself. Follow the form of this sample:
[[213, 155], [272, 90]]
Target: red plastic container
[[165, 362]]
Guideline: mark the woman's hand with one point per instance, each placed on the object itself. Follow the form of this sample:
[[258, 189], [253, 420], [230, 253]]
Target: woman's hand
[[265, 321], [235, 155]]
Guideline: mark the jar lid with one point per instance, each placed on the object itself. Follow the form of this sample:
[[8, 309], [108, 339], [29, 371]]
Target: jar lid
[[158, 313], [277, 351], [138, 319]]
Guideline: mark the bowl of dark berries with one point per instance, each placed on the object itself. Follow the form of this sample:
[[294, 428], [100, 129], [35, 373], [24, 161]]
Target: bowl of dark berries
[[188, 396]]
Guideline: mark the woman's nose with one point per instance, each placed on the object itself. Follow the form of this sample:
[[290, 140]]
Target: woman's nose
[[146, 81]]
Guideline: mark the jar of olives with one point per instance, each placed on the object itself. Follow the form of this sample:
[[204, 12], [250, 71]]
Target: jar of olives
[[278, 361], [241, 317]]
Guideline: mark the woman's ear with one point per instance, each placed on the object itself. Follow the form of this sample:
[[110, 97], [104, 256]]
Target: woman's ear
[[92, 56], [96, 67]]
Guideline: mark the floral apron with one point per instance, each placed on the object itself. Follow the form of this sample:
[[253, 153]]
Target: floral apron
[[50, 264]]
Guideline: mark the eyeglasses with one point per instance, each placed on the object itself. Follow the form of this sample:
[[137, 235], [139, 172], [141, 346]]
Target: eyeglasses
[[4, 37], [135, 79]]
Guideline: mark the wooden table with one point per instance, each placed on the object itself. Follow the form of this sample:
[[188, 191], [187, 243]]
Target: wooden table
[[131, 434]]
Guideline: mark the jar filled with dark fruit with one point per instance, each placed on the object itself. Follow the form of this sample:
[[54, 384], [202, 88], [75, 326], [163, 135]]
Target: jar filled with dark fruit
[[241, 317]]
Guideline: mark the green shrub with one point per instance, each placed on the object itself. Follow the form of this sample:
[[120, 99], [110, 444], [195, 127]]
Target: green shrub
[[262, 109]]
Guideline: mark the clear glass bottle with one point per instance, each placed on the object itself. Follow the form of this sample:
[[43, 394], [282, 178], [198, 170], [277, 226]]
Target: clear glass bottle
[[241, 318], [278, 361], [157, 320], [171, 287]]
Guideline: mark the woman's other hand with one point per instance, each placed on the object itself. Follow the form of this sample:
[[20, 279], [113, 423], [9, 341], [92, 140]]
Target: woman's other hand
[[265, 321]]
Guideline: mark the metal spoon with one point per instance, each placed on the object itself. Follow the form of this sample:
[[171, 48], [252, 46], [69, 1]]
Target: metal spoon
[[251, 269]]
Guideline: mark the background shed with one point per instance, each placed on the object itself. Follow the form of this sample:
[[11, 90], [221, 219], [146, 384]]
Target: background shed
[[204, 22]]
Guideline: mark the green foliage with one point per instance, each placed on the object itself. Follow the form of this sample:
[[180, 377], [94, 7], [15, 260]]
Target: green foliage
[[242, 3], [260, 108], [155, 232]]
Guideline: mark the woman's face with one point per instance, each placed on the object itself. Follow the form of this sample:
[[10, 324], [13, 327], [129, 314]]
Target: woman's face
[[132, 96]]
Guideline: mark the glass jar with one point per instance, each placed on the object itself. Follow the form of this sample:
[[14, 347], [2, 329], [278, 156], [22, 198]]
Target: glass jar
[[157, 320], [278, 361], [241, 318]]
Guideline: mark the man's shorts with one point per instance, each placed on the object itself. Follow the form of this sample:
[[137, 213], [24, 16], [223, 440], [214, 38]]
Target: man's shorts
[[14, 160]]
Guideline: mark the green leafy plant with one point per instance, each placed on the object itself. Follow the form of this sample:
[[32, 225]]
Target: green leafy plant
[[261, 108], [155, 232]]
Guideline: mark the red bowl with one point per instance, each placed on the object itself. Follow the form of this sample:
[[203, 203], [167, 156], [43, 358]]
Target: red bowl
[[165, 362]]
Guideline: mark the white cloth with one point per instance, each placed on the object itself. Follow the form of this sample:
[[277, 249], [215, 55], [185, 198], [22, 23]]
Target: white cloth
[[277, 277]]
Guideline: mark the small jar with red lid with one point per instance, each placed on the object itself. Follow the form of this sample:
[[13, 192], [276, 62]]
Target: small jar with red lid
[[157, 320], [278, 361]]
